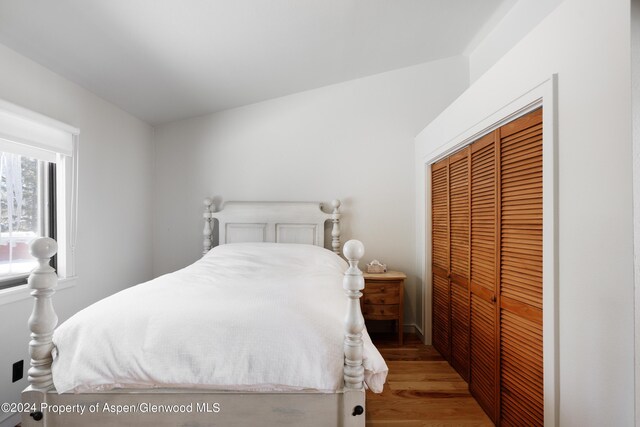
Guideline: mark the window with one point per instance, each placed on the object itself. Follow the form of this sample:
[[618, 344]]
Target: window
[[27, 211], [38, 158]]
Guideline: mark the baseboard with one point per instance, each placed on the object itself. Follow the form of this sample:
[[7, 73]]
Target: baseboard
[[413, 329], [10, 420], [409, 329]]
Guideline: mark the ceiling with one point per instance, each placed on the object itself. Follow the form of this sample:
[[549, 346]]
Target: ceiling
[[164, 60]]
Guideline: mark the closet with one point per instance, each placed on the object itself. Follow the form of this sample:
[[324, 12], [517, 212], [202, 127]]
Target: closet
[[486, 213]]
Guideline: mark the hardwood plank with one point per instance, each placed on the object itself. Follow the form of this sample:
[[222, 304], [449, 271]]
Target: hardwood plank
[[422, 389]]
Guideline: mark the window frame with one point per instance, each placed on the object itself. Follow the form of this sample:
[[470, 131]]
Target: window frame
[[48, 221], [37, 132]]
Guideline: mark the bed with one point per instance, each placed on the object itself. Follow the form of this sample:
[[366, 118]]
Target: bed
[[256, 332]]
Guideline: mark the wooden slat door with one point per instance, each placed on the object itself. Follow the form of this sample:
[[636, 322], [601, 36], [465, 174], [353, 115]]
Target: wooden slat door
[[487, 269], [441, 311], [521, 381], [459, 260], [483, 380]]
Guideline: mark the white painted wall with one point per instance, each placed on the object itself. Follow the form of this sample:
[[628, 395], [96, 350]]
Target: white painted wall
[[587, 43], [352, 141], [512, 27], [114, 228], [635, 109]]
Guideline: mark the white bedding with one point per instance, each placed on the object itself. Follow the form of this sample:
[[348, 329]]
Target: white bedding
[[251, 316]]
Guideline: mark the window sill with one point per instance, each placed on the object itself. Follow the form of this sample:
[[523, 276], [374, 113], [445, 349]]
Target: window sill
[[18, 293]]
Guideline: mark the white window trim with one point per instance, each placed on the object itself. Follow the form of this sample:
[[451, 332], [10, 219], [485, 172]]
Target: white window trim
[[22, 126]]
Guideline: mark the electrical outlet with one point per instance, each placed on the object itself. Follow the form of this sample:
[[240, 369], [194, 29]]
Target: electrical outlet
[[18, 371]]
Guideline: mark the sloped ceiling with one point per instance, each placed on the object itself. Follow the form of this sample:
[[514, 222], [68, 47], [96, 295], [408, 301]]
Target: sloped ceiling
[[164, 60]]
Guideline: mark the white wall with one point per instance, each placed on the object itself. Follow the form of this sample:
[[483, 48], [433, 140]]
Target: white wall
[[587, 43], [635, 99], [115, 172], [514, 25], [352, 141]]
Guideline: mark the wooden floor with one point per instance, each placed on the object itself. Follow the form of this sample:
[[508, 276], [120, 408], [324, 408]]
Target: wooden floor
[[422, 389]]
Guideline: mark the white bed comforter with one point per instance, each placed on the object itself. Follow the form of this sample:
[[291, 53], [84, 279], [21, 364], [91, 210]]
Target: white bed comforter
[[252, 317]]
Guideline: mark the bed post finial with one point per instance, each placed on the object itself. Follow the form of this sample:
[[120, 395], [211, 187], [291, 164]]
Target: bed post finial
[[353, 283], [43, 320], [208, 229], [335, 231]]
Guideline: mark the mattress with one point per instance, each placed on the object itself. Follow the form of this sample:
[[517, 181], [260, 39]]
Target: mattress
[[245, 317]]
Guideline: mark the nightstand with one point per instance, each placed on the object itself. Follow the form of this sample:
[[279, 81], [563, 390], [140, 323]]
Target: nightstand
[[383, 298]]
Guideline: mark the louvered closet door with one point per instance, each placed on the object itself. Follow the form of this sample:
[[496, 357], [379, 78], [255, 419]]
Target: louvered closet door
[[459, 261], [440, 265], [483, 380], [521, 272]]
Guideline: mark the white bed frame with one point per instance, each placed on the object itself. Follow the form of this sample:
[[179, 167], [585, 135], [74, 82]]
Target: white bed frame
[[280, 222], [238, 221]]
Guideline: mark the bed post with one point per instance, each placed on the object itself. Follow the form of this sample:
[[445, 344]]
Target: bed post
[[353, 283], [354, 395], [208, 229], [43, 320], [335, 231]]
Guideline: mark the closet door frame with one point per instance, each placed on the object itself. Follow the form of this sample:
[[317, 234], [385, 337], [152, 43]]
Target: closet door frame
[[543, 95]]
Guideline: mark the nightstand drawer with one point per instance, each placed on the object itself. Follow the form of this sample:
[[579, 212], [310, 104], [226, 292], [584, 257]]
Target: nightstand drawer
[[381, 311], [385, 292], [384, 287], [382, 299]]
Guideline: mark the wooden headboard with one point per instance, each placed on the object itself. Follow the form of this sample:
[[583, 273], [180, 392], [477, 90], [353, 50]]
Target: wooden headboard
[[279, 222]]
